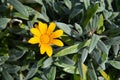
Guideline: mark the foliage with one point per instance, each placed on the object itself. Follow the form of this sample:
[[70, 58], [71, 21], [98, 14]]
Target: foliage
[[91, 40]]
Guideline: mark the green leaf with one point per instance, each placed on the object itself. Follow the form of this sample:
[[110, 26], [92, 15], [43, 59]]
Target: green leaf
[[104, 59], [107, 14], [80, 69], [116, 49], [91, 72], [68, 3], [84, 55], [89, 14], [86, 3], [16, 14], [77, 77], [4, 22], [37, 14], [71, 69], [112, 25], [62, 64], [101, 27], [66, 28], [72, 49], [76, 11], [47, 63], [1, 68], [109, 2], [16, 54], [96, 56], [21, 76], [3, 58], [32, 71], [93, 42], [30, 24], [52, 73], [94, 22], [114, 15], [78, 28], [3, 8], [102, 46], [19, 7], [115, 64], [113, 41], [67, 60], [101, 6], [41, 61], [36, 78], [67, 39], [113, 32], [43, 77], [74, 70], [6, 75], [11, 68]]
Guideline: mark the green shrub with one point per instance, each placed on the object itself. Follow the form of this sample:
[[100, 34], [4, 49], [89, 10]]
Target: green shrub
[[91, 40]]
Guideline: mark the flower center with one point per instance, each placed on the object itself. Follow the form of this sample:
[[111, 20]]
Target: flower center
[[44, 38]]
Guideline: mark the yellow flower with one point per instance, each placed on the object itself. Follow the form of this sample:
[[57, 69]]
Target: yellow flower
[[45, 37]]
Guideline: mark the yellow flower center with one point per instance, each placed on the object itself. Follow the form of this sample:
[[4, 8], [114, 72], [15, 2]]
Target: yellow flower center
[[44, 38]]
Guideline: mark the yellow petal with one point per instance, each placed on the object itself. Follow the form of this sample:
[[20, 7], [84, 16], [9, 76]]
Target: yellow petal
[[42, 27], [51, 28], [35, 31], [33, 40], [49, 50], [42, 48], [57, 42], [57, 34]]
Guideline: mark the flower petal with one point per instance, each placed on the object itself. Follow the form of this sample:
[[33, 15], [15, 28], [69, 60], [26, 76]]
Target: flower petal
[[57, 34], [42, 27], [57, 42], [35, 31], [33, 40], [42, 48], [51, 28], [49, 50]]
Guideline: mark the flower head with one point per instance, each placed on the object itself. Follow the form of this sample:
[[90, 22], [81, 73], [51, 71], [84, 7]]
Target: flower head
[[45, 36]]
